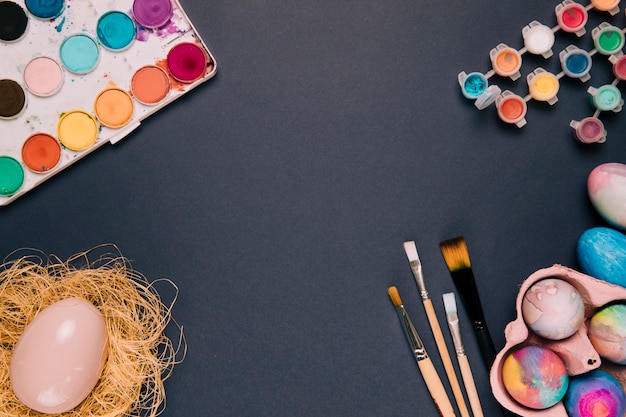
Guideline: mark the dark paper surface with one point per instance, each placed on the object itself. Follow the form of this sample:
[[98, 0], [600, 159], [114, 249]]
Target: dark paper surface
[[277, 197]]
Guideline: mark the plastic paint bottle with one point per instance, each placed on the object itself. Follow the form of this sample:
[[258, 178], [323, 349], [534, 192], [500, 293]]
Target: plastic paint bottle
[[611, 6], [506, 61], [538, 39], [543, 86], [571, 17], [589, 130], [488, 97], [473, 84], [619, 66], [511, 108], [576, 63], [606, 98], [607, 39]]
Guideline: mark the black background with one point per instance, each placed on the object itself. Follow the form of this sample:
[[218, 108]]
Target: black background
[[277, 197]]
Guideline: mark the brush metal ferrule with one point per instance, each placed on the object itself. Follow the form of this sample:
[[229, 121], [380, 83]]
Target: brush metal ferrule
[[455, 330], [419, 351], [416, 268]]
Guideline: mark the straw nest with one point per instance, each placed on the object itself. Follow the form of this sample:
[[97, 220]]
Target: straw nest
[[140, 357]]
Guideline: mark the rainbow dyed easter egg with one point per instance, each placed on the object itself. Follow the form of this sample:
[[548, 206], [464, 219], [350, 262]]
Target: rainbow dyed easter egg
[[595, 394], [606, 186], [607, 333], [553, 308], [535, 377], [601, 253]]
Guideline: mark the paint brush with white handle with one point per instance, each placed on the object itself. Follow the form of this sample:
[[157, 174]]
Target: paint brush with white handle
[[416, 268], [452, 316]]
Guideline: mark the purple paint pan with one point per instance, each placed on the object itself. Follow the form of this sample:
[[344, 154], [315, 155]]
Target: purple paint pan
[[152, 14]]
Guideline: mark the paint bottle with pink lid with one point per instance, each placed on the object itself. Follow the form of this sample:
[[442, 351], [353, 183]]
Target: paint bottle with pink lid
[[589, 130]]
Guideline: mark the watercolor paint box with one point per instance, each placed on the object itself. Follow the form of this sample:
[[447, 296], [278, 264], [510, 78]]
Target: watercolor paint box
[[77, 74]]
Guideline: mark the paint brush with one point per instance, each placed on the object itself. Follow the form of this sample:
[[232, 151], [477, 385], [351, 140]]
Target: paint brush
[[416, 268], [426, 367], [457, 259], [452, 317]]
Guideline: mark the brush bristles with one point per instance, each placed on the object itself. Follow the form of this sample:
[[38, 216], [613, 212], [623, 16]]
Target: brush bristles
[[395, 296], [455, 253], [411, 251], [449, 302]]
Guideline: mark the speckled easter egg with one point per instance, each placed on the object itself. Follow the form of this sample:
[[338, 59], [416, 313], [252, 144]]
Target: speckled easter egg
[[602, 254], [535, 377], [553, 308], [607, 333], [606, 185], [595, 394]]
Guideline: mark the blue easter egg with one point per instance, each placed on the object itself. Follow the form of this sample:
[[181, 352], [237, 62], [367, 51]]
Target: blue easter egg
[[595, 393], [602, 254]]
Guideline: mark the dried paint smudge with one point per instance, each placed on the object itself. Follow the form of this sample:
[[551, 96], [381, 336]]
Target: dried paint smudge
[[59, 27], [172, 27]]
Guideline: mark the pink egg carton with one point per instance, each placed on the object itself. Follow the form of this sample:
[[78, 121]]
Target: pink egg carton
[[577, 352]]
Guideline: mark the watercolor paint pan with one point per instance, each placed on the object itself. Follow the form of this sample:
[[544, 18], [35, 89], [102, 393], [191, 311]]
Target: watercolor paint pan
[[77, 74]]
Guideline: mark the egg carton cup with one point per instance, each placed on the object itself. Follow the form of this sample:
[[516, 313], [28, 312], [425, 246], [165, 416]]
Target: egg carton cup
[[577, 352]]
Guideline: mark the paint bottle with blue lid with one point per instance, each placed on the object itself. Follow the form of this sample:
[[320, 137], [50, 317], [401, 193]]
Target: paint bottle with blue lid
[[475, 86], [576, 63]]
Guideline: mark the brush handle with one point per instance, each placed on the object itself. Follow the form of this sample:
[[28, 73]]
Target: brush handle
[[445, 357], [435, 387], [466, 286], [485, 343], [470, 386]]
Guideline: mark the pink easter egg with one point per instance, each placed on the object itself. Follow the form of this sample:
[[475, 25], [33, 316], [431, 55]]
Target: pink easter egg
[[59, 357], [606, 186]]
